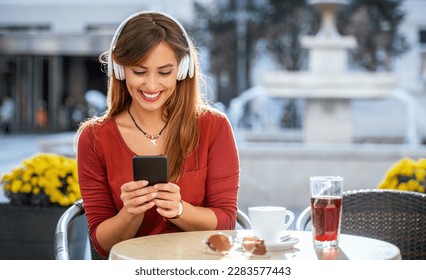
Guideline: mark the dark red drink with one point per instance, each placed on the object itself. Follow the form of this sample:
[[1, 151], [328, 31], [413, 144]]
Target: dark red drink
[[326, 212]]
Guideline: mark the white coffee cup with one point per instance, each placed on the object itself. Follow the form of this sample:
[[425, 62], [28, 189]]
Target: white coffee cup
[[268, 222]]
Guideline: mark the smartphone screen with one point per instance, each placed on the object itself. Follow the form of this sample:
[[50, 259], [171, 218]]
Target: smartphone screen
[[150, 168]]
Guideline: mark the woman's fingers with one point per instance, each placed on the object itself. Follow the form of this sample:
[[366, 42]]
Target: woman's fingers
[[169, 209], [168, 199], [168, 191], [138, 197], [140, 200], [142, 208], [133, 186], [135, 194]]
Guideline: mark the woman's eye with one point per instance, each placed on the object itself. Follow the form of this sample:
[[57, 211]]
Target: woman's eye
[[139, 72], [165, 73]]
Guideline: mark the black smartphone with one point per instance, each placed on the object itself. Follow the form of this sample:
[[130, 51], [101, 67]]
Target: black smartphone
[[150, 168]]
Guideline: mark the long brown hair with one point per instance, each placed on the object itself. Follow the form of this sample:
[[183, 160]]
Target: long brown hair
[[138, 37]]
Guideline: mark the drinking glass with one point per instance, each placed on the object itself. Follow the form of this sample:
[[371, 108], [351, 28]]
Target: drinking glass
[[326, 210]]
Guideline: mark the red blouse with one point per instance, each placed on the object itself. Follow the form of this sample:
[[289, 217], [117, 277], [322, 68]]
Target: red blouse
[[105, 164]]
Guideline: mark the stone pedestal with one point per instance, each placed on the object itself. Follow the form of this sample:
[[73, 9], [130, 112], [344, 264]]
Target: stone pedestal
[[328, 121], [328, 55]]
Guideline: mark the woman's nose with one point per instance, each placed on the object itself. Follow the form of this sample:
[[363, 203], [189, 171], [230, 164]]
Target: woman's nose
[[151, 82]]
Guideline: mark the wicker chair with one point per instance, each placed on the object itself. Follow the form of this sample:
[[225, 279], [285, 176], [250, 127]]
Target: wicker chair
[[61, 247], [398, 217]]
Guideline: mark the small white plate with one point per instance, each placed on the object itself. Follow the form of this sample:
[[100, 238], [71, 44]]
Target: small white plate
[[284, 237], [283, 245]]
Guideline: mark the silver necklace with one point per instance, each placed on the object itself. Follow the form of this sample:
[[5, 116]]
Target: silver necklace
[[152, 138]]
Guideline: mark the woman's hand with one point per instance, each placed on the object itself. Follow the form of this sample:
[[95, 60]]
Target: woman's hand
[[167, 200], [137, 197]]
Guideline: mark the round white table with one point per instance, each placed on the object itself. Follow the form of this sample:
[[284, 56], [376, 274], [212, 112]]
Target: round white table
[[190, 246]]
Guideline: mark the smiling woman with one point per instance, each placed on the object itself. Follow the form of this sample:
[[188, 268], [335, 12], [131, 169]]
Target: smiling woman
[[156, 107], [152, 83]]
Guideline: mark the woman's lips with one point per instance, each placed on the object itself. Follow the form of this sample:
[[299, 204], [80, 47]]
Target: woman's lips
[[150, 96]]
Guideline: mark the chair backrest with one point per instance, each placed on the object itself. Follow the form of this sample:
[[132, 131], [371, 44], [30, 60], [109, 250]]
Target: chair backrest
[[61, 246], [304, 219], [398, 217], [243, 220]]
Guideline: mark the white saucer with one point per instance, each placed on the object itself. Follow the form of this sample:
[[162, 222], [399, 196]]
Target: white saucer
[[282, 245]]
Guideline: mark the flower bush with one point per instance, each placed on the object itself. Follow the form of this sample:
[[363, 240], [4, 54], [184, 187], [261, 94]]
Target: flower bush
[[407, 175], [43, 180]]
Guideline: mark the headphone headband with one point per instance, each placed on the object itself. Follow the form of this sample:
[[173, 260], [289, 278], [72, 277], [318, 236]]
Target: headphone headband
[[186, 65]]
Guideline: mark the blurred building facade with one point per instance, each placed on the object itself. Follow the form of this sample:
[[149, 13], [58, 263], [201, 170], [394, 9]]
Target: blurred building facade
[[49, 53]]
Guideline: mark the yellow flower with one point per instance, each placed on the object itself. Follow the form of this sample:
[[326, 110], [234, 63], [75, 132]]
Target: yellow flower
[[26, 188], [34, 181], [412, 185], [407, 175], [16, 186], [420, 174], [50, 177], [421, 163]]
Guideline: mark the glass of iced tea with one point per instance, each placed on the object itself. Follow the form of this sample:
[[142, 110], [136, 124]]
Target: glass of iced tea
[[326, 210]]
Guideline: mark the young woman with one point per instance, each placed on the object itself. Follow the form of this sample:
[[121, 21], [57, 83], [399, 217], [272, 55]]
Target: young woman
[[155, 107]]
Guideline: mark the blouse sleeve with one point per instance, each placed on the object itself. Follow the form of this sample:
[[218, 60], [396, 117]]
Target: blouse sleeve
[[92, 176], [223, 175]]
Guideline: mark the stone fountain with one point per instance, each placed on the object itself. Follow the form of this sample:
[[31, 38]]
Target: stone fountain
[[275, 172], [328, 85]]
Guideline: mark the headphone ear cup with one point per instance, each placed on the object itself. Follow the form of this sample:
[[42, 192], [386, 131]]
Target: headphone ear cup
[[118, 71], [191, 66], [183, 68]]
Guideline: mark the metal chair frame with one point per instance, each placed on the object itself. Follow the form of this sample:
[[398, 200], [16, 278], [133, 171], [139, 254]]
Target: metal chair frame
[[243, 220], [61, 247], [61, 232], [398, 217]]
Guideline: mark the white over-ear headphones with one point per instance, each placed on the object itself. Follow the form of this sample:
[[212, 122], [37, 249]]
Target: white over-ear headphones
[[186, 66]]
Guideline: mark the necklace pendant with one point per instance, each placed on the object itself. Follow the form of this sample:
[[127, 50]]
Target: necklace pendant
[[151, 138]]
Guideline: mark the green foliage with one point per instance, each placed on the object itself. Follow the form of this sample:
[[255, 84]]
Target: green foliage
[[375, 24]]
